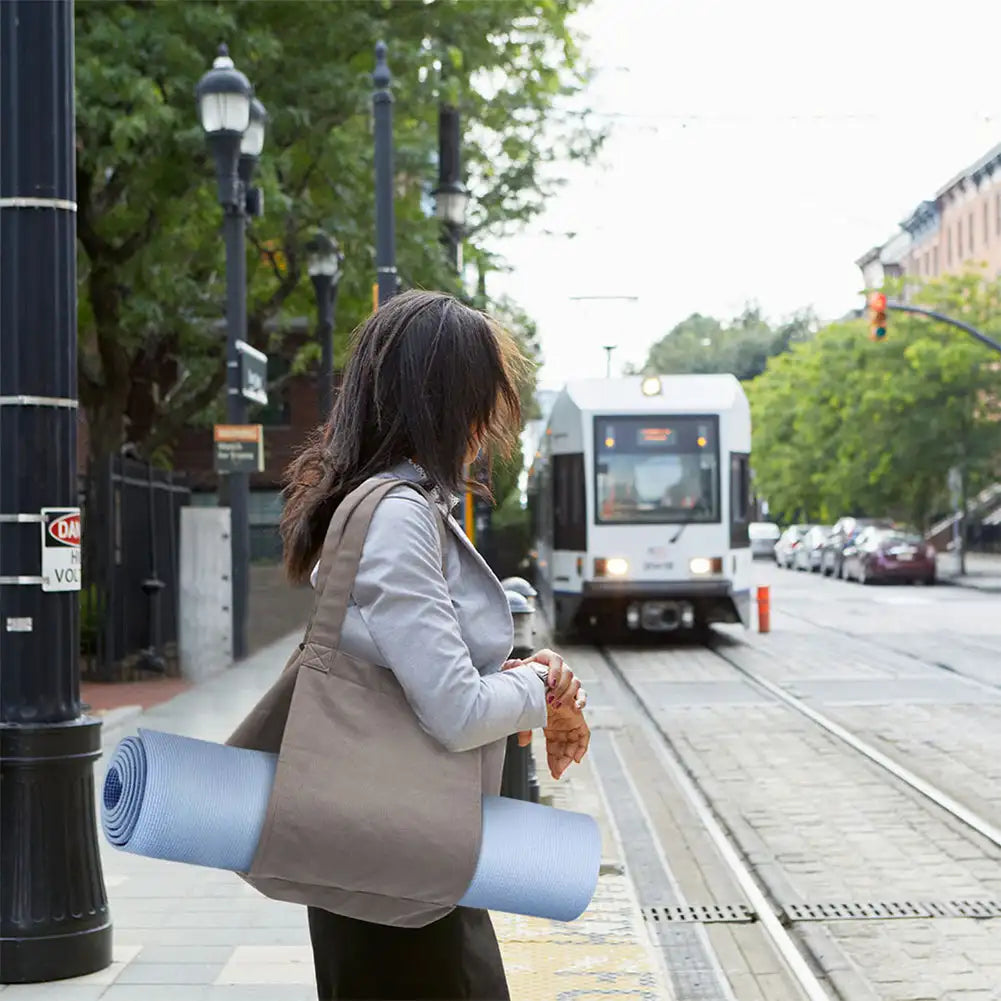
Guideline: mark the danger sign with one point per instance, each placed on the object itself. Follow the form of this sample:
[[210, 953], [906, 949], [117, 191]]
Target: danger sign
[[60, 549]]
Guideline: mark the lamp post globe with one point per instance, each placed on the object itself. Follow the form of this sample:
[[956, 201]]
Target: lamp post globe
[[323, 257], [251, 144], [451, 201], [224, 96]]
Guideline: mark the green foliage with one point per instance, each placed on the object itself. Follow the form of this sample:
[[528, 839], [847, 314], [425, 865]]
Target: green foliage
[[845, 425], [151, 263], [703, 344]]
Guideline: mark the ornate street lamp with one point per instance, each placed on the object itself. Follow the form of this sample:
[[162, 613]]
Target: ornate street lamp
[[234, 124], [325, 262], [451, 196]]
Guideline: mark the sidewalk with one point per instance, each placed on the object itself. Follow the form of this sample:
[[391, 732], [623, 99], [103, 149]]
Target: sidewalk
[[189, 934], [983, 571]]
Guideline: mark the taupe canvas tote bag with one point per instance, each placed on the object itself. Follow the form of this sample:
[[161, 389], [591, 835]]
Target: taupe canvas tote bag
[[369, 817]]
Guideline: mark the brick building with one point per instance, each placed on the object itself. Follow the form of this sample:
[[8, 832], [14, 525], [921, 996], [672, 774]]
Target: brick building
[[293, 411], [960, 225]]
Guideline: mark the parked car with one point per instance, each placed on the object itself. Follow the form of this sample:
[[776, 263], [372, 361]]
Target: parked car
[[763, 535], [844, 532], [879, 554], [788, 541], [806, 556]]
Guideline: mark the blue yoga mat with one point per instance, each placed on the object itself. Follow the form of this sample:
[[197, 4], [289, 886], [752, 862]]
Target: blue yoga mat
[[185, 800]]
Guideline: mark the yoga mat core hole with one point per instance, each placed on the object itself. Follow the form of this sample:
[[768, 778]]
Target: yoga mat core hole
[[112, 789]]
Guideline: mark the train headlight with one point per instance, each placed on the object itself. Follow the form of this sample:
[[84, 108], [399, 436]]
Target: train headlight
[[650, 386], [700, 566], [614, 567]]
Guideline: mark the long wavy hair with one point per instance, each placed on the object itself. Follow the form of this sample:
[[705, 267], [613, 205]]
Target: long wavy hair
[[428, 379]]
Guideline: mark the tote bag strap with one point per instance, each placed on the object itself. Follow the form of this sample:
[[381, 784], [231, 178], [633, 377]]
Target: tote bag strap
[[341, 555]]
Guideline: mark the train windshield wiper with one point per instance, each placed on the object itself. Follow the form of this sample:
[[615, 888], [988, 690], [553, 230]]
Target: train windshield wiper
[[698, 508]]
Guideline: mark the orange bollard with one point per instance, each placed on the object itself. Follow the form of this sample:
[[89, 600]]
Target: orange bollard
[[764, 610]]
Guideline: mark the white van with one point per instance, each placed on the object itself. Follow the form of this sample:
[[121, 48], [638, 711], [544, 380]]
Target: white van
[[763, 536]]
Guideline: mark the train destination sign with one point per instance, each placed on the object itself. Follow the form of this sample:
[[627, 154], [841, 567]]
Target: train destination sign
[[239, 448]]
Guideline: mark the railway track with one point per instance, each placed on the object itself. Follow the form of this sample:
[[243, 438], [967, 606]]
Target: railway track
[[798, 930]]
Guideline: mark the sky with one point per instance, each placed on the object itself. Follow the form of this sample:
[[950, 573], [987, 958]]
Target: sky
[[757, 150]]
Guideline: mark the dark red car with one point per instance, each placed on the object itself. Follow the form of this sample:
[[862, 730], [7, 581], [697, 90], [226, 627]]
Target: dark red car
[[884, 554]]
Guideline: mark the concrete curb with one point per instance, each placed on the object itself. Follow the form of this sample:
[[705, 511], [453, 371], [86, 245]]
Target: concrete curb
[[116, 724], [969, 585]]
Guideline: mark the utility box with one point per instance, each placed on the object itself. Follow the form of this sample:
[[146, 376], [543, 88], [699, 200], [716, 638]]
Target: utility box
[[206, 598]]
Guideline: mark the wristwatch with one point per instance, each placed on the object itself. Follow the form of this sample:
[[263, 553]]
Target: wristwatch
[[543, 675]]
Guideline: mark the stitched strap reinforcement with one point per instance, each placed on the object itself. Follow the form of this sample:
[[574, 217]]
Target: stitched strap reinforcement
[[342, 551]]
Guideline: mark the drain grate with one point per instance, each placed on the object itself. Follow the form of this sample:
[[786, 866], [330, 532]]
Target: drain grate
[[868, 910], [883, 910], [976, 908], [700, 914]]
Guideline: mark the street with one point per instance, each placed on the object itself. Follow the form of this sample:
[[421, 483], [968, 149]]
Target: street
[[884, 893]]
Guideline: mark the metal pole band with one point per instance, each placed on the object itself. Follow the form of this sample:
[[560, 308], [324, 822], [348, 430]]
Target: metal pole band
[[20, 580], [37, 203], [10, 519], [39, 401]]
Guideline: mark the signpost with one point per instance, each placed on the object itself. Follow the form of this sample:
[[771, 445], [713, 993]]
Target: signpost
[[253, 373], [955, 482], [239, 448]]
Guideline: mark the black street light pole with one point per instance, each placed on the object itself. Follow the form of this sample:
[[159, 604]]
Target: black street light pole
[[385, 224], [233, 121], [325, 262], [54, 918]]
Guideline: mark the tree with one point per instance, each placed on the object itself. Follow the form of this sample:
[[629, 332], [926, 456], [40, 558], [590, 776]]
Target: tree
[[151, 272], [843, 425], [702, 344]]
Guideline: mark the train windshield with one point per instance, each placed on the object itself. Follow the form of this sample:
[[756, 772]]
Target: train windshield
[[656, 469]]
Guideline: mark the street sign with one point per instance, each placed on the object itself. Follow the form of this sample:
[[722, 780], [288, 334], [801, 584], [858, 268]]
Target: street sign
[[239, 448], [253, 373], [60, 548], [955, 482]]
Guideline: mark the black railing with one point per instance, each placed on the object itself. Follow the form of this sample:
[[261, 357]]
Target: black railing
[[129, 605]]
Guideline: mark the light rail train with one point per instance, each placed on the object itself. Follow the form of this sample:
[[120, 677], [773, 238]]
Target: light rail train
[[641, 500]]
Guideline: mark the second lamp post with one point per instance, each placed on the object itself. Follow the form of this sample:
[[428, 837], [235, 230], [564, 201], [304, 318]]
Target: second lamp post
[[451, 197], [324, 264], [233, 121]]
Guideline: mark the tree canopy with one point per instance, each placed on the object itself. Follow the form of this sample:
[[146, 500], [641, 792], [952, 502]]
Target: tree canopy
[[706, 345], [151, 266], [845, 425]]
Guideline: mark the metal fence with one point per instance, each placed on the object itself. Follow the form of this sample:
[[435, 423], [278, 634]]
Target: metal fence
[[129, 615]]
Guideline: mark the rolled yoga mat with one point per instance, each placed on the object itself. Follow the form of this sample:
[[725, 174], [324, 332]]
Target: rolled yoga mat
[[185, 800]]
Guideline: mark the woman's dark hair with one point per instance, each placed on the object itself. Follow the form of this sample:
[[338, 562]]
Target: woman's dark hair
[[428, 378]]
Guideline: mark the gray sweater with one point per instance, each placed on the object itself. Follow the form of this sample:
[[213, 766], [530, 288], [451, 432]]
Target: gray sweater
[[444, 635]]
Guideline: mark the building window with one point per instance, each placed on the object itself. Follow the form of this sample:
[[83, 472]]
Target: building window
[[934, 261], [959, 240], [986, 225], [971, 233], [948, 248]]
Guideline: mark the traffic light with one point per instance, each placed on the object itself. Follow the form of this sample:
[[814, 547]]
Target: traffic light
[[877, 316]]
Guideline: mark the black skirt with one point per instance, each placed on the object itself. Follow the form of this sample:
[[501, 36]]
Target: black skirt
[[453, 959]]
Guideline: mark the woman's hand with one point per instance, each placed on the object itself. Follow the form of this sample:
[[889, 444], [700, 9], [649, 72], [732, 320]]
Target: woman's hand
[[566, 731], [567, 738]]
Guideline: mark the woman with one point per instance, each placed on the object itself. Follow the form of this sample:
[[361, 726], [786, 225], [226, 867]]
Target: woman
[[430, 383]]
